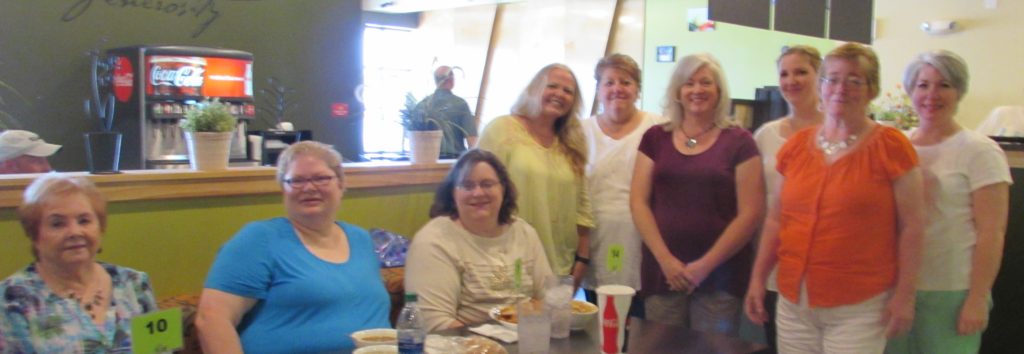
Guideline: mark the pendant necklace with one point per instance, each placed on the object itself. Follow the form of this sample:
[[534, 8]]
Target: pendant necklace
[[831, 148], [88, 305], [691, 141]]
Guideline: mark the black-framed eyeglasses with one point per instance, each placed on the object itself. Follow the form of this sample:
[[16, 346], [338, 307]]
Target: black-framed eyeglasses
[[486, 185], [300, 182]]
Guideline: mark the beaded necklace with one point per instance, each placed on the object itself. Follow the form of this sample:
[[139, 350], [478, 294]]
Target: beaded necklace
[[832, 148]]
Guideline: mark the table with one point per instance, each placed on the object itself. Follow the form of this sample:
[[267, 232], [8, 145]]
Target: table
[[644, 337], [578, 342]]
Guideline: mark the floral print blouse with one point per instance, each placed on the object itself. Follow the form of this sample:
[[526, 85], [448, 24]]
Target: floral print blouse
[[36, 320]]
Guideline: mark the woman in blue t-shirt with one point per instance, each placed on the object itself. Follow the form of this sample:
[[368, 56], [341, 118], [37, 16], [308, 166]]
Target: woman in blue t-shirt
[[298, 284]]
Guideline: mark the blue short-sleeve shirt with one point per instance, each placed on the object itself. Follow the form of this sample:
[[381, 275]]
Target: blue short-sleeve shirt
[[305, 304]]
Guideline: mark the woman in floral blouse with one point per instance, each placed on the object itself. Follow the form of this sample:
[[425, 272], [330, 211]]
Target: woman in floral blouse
[[66, 301]]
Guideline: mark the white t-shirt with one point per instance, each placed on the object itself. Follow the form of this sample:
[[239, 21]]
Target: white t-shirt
[[769, 140], [952, 170], [459, 275], [609, 176]]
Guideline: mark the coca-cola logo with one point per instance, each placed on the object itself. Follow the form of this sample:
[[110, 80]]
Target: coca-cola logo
[[610, 323], [123, 79], [184, 76]]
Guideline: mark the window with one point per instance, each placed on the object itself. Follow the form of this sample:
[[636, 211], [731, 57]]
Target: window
[[388, 75]]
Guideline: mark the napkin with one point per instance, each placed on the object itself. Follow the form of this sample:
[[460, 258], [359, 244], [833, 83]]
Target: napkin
[[499, 332]]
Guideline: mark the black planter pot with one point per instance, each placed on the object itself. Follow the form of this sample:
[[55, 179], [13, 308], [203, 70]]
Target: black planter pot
[[103, 152]]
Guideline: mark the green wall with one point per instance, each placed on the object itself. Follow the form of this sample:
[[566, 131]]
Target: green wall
[[747, 54], [314, 46], [175, 241]]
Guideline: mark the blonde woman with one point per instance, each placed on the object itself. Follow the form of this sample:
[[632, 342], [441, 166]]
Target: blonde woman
[[697, 196], [542, 145], [798, 81]]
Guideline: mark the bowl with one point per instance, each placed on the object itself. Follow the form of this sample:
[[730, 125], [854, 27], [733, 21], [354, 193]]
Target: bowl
[[377, 349], [375, 337], [582, 313]]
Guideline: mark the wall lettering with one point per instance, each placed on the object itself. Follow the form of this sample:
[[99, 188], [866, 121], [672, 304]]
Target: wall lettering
[[203, 10]]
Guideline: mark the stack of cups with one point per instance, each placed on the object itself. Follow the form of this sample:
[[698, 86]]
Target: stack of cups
[[558, 298], [613, 304]]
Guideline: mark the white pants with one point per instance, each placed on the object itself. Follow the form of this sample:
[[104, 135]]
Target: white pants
[[853, 329]]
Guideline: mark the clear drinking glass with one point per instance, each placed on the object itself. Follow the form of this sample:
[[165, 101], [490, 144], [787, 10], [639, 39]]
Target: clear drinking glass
[[558, 298], [534, 327]]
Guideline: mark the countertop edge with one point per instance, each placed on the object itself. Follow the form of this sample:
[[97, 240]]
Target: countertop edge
[[139, 185]]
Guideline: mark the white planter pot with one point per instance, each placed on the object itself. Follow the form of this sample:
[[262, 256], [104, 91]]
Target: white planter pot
[[425, 146], [208, 151]]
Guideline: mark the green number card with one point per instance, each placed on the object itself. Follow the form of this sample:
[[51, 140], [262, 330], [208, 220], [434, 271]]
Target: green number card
[[157, 332], [615, 254], [517, 274]]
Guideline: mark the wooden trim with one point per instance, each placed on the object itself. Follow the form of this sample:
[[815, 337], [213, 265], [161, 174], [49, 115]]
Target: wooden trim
[[178, 184], [1015, 158], [485, 79]]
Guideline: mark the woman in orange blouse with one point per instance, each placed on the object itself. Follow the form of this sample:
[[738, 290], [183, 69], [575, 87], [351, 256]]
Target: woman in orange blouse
[[847, 227]]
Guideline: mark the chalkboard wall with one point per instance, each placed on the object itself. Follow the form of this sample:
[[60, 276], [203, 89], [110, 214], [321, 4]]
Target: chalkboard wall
[[314, 46]]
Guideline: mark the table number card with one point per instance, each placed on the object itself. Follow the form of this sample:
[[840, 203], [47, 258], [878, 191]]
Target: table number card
[[157, 332], [615, 254]]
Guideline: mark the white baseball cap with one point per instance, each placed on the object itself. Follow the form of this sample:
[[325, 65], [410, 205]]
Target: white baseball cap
[[14, 143]]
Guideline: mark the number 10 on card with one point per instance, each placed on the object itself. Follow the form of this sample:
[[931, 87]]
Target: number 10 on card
[[157, 332]]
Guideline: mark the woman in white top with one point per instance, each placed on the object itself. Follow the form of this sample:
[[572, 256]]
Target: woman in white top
[[474, 254], [967, 199], [612, 140], [798, 80]]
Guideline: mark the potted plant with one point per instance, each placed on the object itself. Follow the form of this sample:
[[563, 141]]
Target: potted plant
[[424, 133], [895, 110], [277, 100], [208, 128]]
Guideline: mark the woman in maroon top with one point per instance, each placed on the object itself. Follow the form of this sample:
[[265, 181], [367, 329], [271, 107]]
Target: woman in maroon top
[[697, 196]]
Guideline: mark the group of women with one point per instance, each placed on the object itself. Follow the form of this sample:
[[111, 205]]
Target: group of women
[[857, 247]]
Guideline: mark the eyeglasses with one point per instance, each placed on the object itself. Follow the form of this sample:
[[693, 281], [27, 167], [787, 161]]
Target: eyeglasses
[[300, 182], [486, 185], [849, 81]]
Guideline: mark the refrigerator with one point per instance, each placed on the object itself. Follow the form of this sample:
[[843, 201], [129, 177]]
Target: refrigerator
[[154, 86]]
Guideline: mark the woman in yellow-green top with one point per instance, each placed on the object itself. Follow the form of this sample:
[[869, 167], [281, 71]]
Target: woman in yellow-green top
[[542, 145]]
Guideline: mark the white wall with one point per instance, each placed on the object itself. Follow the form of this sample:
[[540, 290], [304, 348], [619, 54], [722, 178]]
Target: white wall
[[991, 41]]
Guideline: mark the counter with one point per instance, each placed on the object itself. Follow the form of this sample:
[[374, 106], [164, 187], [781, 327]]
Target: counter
[[171, 223], [177, 184]]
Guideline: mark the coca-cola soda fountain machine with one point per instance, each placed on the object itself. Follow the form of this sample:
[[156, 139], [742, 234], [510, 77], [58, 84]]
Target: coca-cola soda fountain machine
[[155, 85]]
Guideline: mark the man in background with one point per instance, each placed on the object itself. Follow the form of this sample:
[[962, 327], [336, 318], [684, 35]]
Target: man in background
[[444, 105], [22, 151]]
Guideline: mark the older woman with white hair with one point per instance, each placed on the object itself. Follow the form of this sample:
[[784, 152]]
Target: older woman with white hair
[[697, 196], [967, 201], [296, 284], [66, 301]]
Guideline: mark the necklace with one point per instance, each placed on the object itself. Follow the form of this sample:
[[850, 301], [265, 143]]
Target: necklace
[[691, 141], [831, 148], [88, 305]]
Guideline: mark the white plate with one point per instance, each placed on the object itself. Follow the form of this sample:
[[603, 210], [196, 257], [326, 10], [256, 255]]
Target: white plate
[[495, 313]]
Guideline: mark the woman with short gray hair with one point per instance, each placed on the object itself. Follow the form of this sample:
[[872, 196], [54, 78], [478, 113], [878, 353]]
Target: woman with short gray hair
[[306, 277], [966, 210]]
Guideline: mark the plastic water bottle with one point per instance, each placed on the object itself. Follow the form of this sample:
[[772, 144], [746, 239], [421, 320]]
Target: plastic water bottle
[[411, 332]]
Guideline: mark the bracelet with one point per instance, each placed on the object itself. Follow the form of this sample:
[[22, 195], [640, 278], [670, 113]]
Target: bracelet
[[578, 258]]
